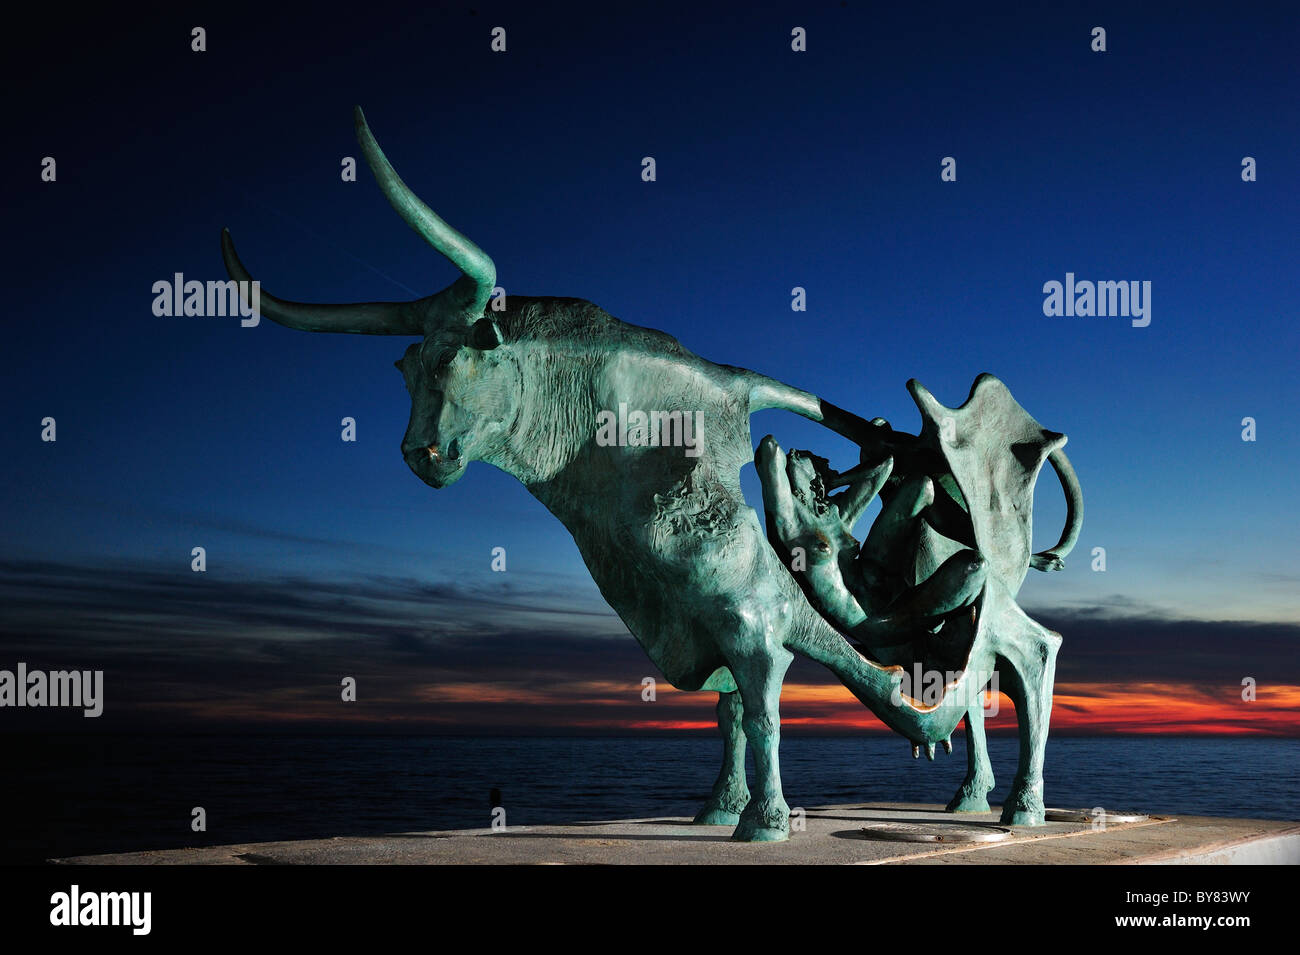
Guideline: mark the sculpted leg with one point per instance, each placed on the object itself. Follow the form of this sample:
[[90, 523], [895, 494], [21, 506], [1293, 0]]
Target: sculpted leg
[[1027, 660], [730, 792], [767, 817], [973, 794]]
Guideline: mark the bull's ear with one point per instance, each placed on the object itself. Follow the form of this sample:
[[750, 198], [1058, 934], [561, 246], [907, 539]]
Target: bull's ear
[[484, 334]]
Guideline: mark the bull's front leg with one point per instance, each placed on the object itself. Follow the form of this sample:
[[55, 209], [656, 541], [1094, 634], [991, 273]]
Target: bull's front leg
[[730, 792], [758, 676]]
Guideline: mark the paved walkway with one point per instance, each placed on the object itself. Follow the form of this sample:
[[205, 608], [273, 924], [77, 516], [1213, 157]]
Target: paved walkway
[[831, 835]]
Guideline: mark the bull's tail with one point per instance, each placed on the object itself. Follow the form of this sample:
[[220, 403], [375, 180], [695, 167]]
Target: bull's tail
[[765, 393]]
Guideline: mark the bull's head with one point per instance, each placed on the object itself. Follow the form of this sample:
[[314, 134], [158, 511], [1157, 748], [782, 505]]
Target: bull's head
[[465, 392]]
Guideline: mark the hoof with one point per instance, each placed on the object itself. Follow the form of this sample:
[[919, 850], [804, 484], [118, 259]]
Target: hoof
[[723, 809], [973, 796], [746, 833], [969, 802], [1023, 809], [1022, 817], [715, 817], [770, 823]]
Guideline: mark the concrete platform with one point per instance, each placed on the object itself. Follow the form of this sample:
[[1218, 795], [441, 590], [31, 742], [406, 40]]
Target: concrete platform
[[833, 835]]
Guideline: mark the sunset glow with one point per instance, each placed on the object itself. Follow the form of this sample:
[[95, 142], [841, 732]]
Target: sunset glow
[[603, 706]]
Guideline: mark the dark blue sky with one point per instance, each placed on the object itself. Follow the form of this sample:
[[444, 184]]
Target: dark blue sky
[[775, 169]]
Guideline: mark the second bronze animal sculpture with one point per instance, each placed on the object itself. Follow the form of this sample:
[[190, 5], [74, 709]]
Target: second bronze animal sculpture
[[661, 523]]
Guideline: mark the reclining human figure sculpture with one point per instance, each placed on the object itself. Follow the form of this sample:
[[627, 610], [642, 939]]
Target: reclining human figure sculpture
[[668, 537], [912, 593]]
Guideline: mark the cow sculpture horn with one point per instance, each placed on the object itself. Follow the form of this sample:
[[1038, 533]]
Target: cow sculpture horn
[[464, 300]]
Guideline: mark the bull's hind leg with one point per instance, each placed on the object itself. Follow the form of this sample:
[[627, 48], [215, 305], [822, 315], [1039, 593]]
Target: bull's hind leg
[[1027, 660], [730, 792], [758, 675], [972, 796]]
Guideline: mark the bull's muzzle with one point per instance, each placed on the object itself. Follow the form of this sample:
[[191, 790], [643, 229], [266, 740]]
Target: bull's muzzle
[[436, 465]]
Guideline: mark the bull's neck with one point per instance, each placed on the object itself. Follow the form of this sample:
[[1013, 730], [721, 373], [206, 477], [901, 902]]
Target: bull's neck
[[557, 416]]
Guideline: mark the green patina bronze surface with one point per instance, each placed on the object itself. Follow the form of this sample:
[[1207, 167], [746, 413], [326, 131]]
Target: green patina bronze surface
[[933, 585], [718, 602]]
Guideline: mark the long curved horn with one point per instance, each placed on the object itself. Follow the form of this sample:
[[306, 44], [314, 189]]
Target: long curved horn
[[464, 300], [363, 318], [464, 254]]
